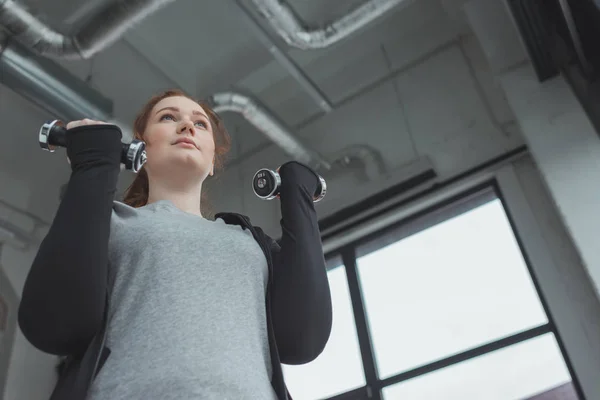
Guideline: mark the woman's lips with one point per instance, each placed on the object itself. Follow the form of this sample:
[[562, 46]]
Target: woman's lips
[[186, 144]]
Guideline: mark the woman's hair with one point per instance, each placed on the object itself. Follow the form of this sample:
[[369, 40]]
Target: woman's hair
[[136, 194]]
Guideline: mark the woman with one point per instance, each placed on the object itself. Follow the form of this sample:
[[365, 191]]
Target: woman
[[148, 298]]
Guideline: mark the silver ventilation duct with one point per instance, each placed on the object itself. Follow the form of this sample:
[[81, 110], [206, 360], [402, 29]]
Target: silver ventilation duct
[[103, 30], [284, 22], [51, 87], [369, 159], [48, 85], [267, 124]]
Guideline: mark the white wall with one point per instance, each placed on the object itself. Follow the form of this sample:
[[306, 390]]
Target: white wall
[[9, 301], [31, 373], [553, 123], [566, 148], [562, 276]]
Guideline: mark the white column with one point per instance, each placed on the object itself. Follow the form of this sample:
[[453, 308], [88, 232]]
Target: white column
[[566, 148]]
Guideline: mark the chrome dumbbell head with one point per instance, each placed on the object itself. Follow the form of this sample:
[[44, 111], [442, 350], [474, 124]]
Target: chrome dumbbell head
[[53, 134], [135, 155], [266, 184], [45, 132], [321, 191]]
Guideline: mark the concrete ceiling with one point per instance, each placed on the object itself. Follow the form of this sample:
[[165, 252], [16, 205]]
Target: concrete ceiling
[[413, 83], [206, 47]]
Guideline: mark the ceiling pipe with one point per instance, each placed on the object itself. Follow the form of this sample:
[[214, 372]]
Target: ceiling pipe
[[280, 54], [62, 95], [283, 21], [48, 85], [369, 159], [51, 87], [262, 120], [104, 29]]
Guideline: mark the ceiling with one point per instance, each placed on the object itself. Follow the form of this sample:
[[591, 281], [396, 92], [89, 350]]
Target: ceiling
[[414, 82], [206, 47]]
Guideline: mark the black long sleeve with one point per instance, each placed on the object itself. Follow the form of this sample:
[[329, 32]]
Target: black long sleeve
[[301, 307], [64, 294]]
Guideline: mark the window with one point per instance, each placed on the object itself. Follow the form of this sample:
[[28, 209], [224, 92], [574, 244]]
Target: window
[[451, 287], [517, 372], [441, 307], [339, 368]]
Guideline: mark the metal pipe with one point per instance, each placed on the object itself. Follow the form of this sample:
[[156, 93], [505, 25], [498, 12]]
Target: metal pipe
[[257, 115], [49, 85], [285, 23], [286, 61], [103, 30], [369, 159]]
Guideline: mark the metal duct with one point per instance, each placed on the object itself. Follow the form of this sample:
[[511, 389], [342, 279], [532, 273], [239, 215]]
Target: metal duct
[[104, 29], [285, 23], [51, 87], [267, 124], [370, 159], [48, 85]]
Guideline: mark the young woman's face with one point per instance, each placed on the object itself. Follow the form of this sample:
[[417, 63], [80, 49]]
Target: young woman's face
[[179, 139]]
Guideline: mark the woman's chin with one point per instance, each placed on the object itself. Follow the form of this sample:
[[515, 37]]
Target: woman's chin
[[188, 157], [182, 163]]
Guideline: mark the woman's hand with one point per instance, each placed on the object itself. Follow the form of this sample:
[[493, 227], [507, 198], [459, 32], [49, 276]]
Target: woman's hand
[[85, 121], [296, 174], [82, 122]]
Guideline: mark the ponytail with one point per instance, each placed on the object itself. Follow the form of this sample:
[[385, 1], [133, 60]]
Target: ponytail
[[137, 193]]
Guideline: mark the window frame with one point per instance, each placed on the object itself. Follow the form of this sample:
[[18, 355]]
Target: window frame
[[492, 182]]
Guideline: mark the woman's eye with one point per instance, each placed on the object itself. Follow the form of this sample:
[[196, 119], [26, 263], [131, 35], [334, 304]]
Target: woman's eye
[[167, 116], [172, 118]]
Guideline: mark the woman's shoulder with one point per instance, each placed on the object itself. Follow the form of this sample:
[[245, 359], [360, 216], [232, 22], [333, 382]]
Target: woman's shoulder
[[121, 210], [119, 205]]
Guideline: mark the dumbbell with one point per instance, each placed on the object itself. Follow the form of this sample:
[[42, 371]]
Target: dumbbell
[[267, 183], [53, 134]]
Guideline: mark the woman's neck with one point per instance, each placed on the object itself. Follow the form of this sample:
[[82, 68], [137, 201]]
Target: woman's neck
[[185, 197]]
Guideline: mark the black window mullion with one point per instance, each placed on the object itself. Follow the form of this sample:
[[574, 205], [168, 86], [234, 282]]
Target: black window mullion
[[361, 393], [362, 329], [467, 355]]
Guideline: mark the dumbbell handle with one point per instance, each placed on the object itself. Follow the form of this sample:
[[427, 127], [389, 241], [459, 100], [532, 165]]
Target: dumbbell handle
[[53, 134], [267, 183]]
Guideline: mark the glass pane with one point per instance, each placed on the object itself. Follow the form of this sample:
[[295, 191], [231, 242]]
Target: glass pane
[[513, 373], [339, 368], [446, 289]]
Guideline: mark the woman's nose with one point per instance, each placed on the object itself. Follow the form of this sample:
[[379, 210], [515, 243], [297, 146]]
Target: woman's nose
[[186, 126]]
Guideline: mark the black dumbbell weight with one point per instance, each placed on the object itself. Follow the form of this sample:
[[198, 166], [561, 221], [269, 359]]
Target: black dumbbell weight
[[53, 134], [267, 183]]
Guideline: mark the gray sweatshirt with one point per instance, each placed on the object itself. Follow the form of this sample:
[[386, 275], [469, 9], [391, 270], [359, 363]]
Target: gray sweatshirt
[[187, 317]]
